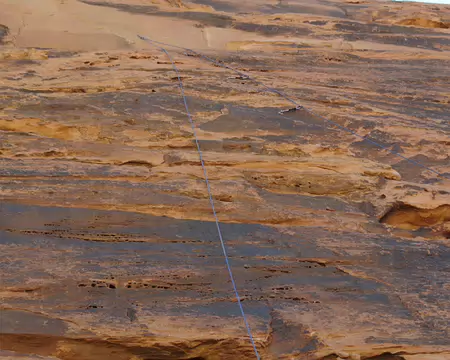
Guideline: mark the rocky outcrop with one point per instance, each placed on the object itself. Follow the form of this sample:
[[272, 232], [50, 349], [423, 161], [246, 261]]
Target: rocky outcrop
[[339, 246]]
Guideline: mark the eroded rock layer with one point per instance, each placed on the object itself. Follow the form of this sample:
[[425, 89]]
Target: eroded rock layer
[[340, 249]]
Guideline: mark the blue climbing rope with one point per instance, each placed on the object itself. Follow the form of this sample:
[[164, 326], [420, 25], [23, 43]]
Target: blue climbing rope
[[211, 201]]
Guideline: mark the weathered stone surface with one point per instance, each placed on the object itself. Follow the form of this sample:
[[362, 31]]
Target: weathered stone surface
[[108, 245]]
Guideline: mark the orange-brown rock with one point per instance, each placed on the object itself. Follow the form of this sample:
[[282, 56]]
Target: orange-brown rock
[[339, 248]]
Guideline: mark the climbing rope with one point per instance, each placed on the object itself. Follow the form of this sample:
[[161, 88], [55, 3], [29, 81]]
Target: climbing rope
[[211, 201]]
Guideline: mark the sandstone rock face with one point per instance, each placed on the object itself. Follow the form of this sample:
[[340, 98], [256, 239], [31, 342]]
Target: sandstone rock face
[[339, 248]]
